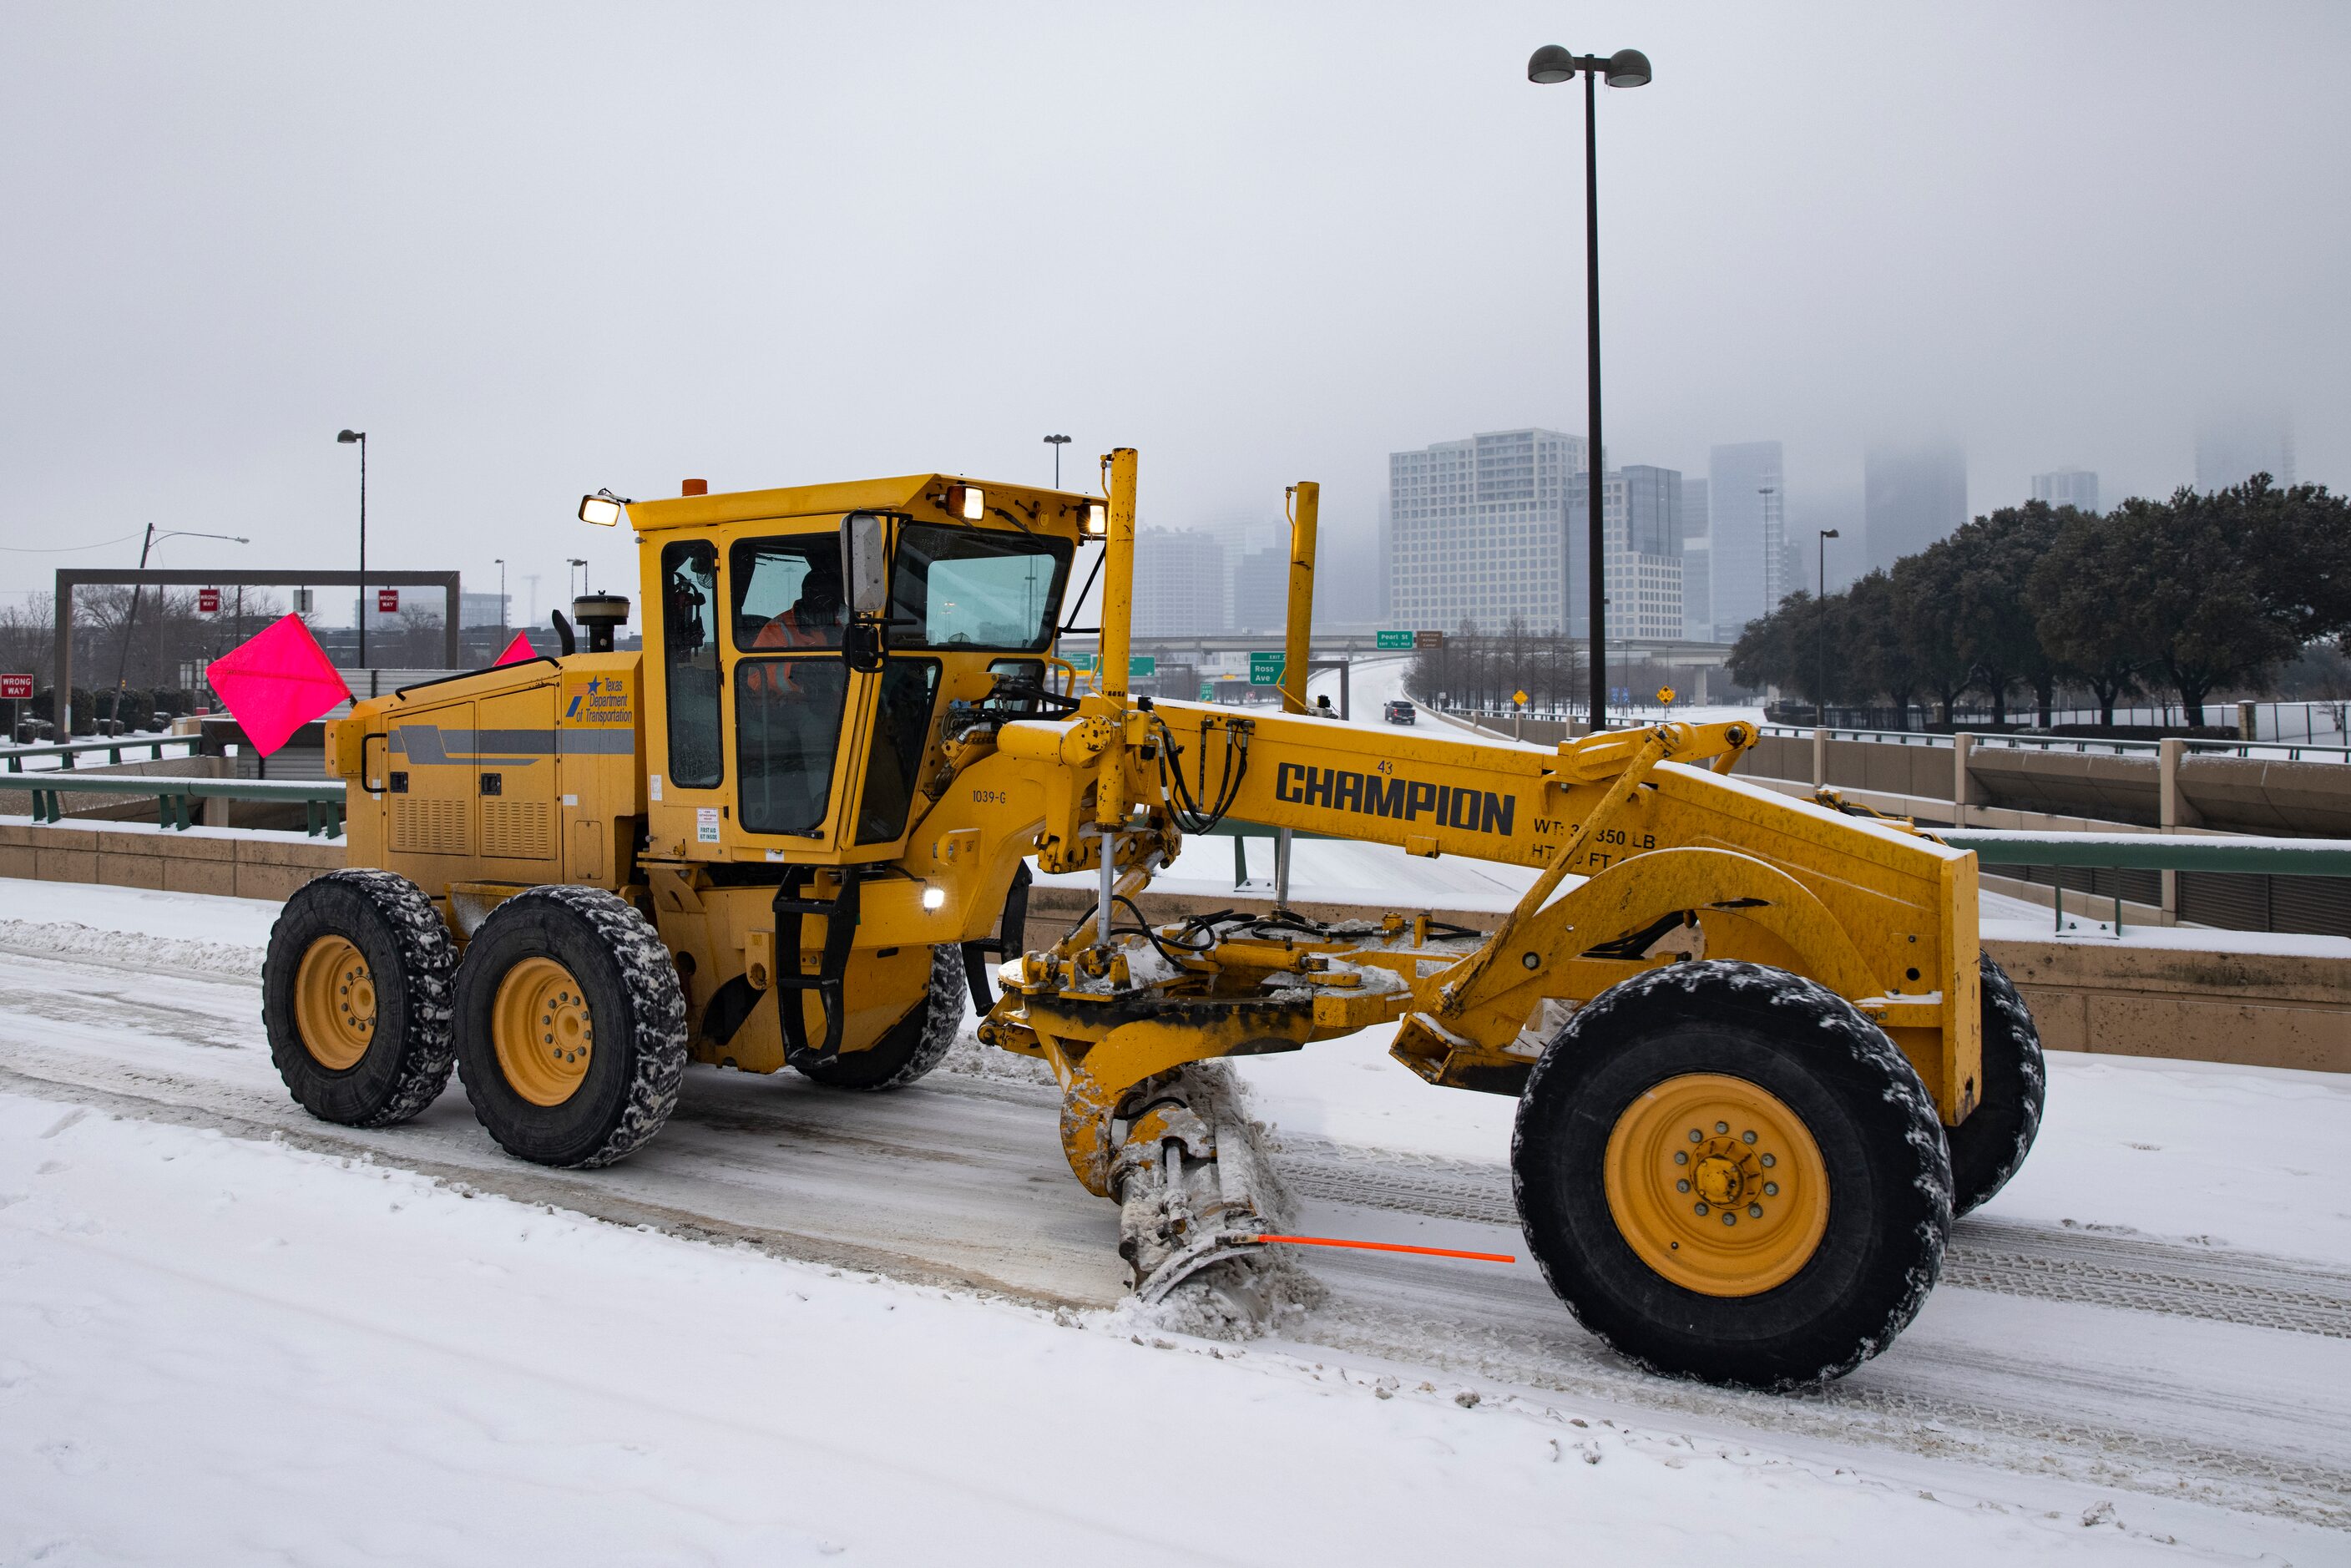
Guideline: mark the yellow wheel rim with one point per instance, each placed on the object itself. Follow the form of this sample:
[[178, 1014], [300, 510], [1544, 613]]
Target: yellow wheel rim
[[1717, 1184], [334, 1003], [542, 1029]]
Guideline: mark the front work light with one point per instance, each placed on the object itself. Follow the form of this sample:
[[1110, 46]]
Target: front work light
[[934, 897], [968, 502], [602, 509], [1097, 519]]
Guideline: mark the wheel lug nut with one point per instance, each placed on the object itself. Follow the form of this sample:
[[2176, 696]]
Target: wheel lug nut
[[1697, 1136], [1771, 1189], [1754, 1211], [1770, 1160], [1681, 1186], [1680, 1157], [1722, 1127], [1730, 1220], [1699, 1206], [1746, 1138]]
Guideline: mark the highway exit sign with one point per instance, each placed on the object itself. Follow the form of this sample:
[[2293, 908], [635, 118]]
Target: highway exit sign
[[1265, 669], [1395, 640]]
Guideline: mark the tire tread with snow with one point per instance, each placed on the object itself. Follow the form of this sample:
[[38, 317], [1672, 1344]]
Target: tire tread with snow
[[631, 983], [1888, 1174], [1990, 1144], [911, 1047], [396, 929]]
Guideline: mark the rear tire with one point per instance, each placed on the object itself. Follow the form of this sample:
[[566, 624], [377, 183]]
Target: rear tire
[[1989, 1146], [1841, 1248], [355, 995], [912, 1046], [570, 1026]]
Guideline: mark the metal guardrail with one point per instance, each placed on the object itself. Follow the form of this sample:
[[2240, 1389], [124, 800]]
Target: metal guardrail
[[114, 746], [2154, 851], [323, 799], [2288, 750]]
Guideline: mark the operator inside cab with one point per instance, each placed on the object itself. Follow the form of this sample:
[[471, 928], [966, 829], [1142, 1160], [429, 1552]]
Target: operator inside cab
[[790, 681]]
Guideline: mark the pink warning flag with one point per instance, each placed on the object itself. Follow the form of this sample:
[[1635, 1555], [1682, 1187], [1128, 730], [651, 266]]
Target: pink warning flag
[[517, 652], [276, 682]]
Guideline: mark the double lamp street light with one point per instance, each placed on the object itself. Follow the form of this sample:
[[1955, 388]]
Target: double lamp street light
[[1625, 67]]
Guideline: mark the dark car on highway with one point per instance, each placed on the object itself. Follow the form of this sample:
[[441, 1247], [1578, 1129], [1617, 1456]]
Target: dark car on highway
[[1399, 712]]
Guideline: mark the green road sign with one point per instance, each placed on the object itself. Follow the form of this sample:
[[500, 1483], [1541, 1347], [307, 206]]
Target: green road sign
[[1395, 640], [1265, 669], [1208, 693], [1136, 664]]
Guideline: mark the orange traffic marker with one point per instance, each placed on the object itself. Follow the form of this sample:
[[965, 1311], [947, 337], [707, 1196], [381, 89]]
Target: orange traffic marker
[[1389, 1247]]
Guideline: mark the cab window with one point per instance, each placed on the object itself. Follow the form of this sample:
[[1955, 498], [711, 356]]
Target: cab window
[[787, 592], [690, 662], [786, 732], [970, 588], [902, 732]]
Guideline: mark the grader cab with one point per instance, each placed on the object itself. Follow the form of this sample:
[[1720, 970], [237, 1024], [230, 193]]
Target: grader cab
[[1758, 1060]]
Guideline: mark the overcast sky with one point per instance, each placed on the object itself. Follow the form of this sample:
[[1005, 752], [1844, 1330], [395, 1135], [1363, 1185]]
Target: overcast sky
[[537, 250]]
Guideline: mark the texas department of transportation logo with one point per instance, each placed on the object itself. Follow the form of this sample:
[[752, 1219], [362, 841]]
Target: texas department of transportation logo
[[597, 699]]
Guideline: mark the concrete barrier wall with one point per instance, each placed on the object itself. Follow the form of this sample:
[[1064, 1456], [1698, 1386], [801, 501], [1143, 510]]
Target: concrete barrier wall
[[238, 864], [2260, 1009]]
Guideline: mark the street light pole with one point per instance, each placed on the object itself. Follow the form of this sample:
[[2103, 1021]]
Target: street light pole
[[347, 437], [1057, 442], [130, 621], [1820, 625], [501, 564], [1625, 67]]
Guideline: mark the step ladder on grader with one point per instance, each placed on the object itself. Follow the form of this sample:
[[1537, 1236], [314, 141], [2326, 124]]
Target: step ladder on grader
[[1759, 1059]]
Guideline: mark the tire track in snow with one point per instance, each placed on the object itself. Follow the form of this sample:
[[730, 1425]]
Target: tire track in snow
[[2036, 1410]]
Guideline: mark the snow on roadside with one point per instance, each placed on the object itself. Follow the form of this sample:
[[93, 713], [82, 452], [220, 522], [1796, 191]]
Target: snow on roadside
[[213, 1351]]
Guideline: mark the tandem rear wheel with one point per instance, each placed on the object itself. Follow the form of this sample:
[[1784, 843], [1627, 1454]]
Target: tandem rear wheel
[[1728, 1172], [569, 1026], [355, 992]]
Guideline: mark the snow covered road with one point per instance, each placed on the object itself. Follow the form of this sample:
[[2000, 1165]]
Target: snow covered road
[[2156, 1314]]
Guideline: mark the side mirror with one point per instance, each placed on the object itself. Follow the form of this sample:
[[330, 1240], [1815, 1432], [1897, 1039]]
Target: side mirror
[[865, 563]]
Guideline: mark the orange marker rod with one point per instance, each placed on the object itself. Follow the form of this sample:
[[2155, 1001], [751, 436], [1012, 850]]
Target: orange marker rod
[[1388, 1246]]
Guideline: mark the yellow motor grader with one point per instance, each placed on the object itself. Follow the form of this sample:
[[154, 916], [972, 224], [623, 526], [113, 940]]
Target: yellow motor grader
[[1758, 1060]]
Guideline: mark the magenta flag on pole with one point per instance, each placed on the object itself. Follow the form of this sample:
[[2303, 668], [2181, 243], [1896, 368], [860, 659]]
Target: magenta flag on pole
[[517, 652], [276, 682]]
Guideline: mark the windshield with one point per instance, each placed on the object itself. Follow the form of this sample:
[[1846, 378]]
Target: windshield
[[968, 587]]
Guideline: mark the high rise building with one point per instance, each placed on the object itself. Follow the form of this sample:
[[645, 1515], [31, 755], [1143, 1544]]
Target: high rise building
[[1911, 497], [2076, 487], [1746, 503], [2233, 446], [1697, 563], [1479, 531], [1261, 588], [1641, 517], [1180, 585]]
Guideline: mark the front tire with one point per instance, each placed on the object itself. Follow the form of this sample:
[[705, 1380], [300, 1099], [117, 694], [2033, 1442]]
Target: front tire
[[1989, 1146], [1727, 1173], [909, 1049], [570, 1026], [355, 995]]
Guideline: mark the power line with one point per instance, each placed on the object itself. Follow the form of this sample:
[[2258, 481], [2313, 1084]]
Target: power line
[[63, 550]]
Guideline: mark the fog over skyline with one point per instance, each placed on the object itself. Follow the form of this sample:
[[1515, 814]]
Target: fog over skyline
[[537, 250]]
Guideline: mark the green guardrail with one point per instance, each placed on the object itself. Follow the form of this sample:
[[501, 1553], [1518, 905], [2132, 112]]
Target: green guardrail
[[114, 746], [323, 799]]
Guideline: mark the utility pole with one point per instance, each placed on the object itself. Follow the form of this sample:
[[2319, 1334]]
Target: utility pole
[[1057, 442]]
